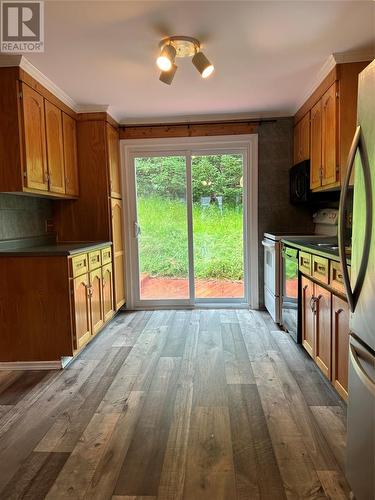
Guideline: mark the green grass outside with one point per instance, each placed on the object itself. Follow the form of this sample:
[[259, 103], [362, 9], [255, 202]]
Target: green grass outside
[[218, 240]]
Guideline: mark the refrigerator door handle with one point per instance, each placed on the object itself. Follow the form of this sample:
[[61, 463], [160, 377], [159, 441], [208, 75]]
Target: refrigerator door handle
[[353, 294], [362, 375]]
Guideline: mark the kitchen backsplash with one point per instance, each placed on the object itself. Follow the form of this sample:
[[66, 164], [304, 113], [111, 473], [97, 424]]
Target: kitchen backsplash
[[23, 216]]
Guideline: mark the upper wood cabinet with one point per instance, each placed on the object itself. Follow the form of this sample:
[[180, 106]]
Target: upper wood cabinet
[[33, 148], [330, 163], [35, 169], [70, 155], [316, 146], [113, 143], [302, 139], [333, 110], [55, 151]]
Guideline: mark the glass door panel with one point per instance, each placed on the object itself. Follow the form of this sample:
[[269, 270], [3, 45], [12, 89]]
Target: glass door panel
[[218, 227], [162, 227]]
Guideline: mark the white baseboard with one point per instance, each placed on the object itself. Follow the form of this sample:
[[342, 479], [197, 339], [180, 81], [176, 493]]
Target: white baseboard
[[32, 365]]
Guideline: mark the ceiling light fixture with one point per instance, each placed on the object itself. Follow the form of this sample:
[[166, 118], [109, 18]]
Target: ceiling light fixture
[[181, 46]]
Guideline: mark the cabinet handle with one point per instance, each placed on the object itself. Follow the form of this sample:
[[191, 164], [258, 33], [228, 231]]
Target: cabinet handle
[[322, 269]]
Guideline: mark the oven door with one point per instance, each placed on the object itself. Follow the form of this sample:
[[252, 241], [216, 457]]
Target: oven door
[[289, 302], [272, 278]]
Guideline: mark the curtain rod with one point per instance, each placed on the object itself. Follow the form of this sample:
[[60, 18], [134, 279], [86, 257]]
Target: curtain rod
[[193, 124]]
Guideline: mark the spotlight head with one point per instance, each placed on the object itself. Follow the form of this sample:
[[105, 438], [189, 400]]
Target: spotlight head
[[167, 76], [203, 65], [166, 58]]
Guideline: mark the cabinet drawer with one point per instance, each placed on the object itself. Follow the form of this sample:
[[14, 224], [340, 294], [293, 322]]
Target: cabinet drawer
[[106, 255], [320, 269], [95, 260], [336, 279], [305, 262], [79, 265]]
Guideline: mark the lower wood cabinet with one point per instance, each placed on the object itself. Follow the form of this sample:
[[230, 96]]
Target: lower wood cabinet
[[52, 305], [308, 316], [82, 316], [340, 345], [96, 300], [325, 332], [92, 295], [322, 354]]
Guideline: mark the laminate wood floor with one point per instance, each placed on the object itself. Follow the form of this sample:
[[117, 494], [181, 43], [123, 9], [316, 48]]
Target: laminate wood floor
[[202, 404]]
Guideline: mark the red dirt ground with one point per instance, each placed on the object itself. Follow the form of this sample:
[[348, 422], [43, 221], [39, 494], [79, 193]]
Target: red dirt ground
[[178, 288]]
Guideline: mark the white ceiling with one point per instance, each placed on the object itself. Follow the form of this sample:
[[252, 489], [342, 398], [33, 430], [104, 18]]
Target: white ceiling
[[266, 54]]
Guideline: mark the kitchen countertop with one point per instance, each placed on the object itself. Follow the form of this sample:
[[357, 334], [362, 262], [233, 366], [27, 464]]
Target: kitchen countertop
[[313, 247], [34, 247]]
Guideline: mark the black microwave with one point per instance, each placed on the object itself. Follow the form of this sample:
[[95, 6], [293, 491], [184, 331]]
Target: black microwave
[[299, 181]]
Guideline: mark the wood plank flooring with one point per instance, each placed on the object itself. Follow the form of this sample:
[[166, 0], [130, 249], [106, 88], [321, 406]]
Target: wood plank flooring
[[201, 404]]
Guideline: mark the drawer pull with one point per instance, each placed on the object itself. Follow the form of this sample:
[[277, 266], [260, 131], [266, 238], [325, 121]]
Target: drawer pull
[[322, 269]]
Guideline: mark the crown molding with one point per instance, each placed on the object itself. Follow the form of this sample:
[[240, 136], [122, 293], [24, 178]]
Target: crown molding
[[329, 64], [21, 61], [40, 77]]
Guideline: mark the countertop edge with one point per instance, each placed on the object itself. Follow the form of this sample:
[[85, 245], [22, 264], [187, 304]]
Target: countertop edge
[[55, 252]]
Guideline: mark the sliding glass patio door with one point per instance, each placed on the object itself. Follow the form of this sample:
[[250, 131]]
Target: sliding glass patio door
[[188, 220]]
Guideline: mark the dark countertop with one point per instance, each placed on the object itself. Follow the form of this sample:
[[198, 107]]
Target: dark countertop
[[47, 247], [312, 247]]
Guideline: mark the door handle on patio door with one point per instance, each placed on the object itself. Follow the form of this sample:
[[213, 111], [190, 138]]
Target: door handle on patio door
[[137, 229], [353, 294]]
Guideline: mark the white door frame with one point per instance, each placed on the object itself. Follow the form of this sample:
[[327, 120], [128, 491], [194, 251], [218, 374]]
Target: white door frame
[[245, 144]]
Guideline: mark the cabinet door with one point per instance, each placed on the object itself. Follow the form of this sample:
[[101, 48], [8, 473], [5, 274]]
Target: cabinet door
[[55, 149], [108, 303], [316, 145], [96, 300], [305, 137], [340, 345], [296, 143], [329, 137], [114, 161], [34, 139], [323, 330], [118, 252], [308, 316], [82, 320], [70, 155]]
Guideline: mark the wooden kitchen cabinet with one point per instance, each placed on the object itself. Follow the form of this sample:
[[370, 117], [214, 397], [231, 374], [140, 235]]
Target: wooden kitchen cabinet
[[340, 345], [330, 165], [333, 110], [55, 148], [316, 146], [52, 305], [34, 130], [118, 251], [96, 300], [322, 351], [316, 323], [302, 139], [35, 156], [308, 316], [107, 283], [113, 142], [70, 155], [82, 318], [97, 214]]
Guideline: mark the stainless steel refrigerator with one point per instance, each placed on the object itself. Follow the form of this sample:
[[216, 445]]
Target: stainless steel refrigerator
[[360, 290]]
